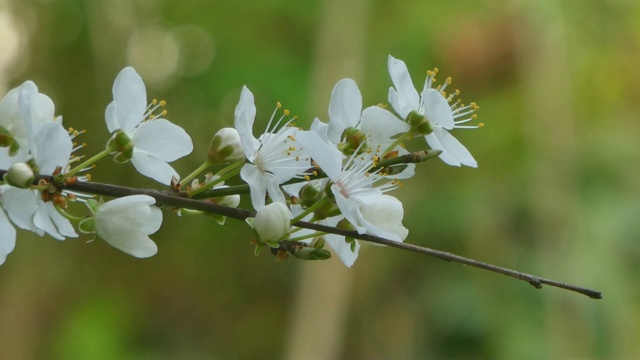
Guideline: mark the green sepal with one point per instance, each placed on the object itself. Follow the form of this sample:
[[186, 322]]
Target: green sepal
[[124, 156], [319, 244], [87, 226], [257, 250], [93, 205], [312, 254]]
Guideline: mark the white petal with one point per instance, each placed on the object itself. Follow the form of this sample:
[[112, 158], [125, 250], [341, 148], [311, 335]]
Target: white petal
[[406, 92], [21, 205], [53, 147], [43, 221], [11, 117], [399, 104], [245, 115], [339, 245], [42, 109], [344, 109], [125, 224], [328, 157], [111, 116], [257, 184], [320, 128], [130, 98], [342, 249], [150, 166], [62, 224], [348, 208], [163, 139], [384, 218], [437, 109], [7, 237], [453, 152], [381, 124]]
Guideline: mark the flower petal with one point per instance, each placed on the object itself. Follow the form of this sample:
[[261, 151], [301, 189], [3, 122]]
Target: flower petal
[[130, 99], [344, 109], [162, 139], [257, 184], [453, 152], [150, 166], [405, 95], [52, 147], [328, 157], [381, 124], [125, 224], [339, 244], [437, 109], [7, 237], [245, 115], [21, 205]]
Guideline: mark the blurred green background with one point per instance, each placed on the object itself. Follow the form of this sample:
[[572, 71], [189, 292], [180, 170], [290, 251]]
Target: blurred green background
[[555, 194]]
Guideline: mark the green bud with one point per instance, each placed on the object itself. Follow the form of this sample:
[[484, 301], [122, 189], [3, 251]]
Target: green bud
[[319, 244]]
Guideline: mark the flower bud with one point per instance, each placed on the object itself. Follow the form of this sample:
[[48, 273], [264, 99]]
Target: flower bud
[[20, 175], [225, 147], [272, 222]]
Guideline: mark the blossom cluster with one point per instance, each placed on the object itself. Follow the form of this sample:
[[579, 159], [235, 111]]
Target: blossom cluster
[[338, 173]]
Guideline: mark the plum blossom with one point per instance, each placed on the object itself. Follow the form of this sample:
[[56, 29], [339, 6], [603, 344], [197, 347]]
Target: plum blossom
[[355, 194], [156, 141], [126, 223], [274, 158], [435, 106]]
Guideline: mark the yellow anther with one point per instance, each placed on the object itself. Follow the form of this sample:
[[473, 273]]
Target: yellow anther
[[307, 178], [457, 92], [84, 144], [154, 102], [449, 80], [435, 70], [151, 117], [291, 137], [297, 158], [278, 105], [71, 130], [473, 104], [292, 148], [286, 112], [164, 113], [315, 173], [74, 143], [163, 103], [481, 125], [474, 116]]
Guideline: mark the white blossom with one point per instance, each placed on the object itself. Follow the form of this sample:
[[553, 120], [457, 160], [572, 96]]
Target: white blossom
[[274, 158], [435, 106], [156, 141], [126, 223]]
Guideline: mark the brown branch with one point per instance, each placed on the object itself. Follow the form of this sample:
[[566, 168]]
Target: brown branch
[[175, 199]]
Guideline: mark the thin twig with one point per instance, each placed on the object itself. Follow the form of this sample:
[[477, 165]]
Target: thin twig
[[176, 199]]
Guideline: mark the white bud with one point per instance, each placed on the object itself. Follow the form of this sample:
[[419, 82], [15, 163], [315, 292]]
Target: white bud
[[225, 146], [20, 175], [272, 222]]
